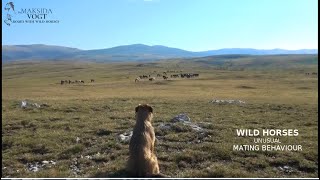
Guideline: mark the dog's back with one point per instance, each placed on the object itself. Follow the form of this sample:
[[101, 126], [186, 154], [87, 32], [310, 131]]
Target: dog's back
[[142, 160]]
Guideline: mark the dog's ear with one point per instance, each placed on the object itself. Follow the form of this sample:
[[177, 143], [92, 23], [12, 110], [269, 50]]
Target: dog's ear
[[150, 108], [137, 108]]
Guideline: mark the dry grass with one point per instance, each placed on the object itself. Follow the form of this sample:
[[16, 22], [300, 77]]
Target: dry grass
[[98, 112]]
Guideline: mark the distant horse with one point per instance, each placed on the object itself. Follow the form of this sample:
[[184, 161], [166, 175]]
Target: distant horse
[[151, 79], [164, 77], [62, 82], [79, 81], [137, 79], [92, 80]]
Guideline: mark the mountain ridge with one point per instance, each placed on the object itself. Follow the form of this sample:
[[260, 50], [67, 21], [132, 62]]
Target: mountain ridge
[[133, 52]]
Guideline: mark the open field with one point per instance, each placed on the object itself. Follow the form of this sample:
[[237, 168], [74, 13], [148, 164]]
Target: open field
[[97, 113]]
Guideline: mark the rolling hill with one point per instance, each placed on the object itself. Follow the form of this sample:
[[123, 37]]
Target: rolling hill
[[135, 52], [36, 51]]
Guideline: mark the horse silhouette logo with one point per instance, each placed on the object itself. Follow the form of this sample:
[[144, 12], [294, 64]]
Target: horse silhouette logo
[[9, 6]]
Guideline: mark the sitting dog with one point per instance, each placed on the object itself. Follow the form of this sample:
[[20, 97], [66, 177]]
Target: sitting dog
[[142, 159]]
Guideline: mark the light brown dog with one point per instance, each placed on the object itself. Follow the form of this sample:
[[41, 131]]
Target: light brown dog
[[142, 159]]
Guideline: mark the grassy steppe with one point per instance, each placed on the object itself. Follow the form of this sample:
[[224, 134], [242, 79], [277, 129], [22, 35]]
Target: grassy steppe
[[276, 98]]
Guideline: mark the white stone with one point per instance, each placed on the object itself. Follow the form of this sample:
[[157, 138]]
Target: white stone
[[125, 137], [23, 104], [35, 169], [45, 162]]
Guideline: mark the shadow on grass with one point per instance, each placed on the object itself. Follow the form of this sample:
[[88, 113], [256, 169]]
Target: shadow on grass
[[122, 173]]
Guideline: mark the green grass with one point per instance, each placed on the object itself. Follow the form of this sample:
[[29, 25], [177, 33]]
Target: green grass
[[98, 112]]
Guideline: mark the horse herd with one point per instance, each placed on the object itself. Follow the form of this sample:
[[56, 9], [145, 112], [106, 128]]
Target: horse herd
[[72, 82], [139, 78], [313, 73], [186, 75], [165, 77]]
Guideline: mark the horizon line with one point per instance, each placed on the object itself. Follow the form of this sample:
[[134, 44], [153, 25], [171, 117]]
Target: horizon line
[[157, 45]]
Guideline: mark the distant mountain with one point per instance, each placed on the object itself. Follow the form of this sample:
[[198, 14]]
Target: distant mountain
[[250, 51], [241, 61], [135, 52], [36, 51], [141, 49]]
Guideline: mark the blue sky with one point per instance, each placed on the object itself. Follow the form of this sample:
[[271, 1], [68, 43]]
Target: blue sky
[[194, 25]]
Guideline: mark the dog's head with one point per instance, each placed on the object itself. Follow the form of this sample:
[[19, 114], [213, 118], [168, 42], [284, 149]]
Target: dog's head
[[144, 108], [144, 112]]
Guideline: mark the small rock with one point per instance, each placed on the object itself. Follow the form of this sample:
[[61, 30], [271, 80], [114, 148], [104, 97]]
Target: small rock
[[125, 137], [52, 162], [181, 118], [23, 104], [163, 126], [286, 169], [221, 101], [36, 105], [44, 105], [45, 162], [196, 127], [35, 169]]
